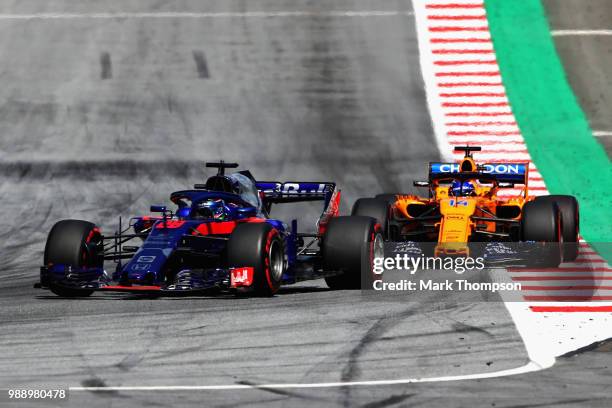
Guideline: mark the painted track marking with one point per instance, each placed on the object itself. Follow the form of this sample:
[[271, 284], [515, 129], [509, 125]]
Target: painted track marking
[[567, 33], [529, 367]]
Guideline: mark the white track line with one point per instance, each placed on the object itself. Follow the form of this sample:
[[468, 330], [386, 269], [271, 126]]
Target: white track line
[[567, 33], [602, 133], [246, 14], [529, 367]]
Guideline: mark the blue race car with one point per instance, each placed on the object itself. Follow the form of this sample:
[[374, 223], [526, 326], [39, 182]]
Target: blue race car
[[220, 237]]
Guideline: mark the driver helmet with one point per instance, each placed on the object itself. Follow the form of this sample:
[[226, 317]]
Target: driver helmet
[[462, 189], [214, 209]]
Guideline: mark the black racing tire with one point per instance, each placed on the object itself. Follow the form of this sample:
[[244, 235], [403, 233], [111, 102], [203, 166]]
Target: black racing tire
[[568, 206], [376, 208], [75, 243], [260, 246], [350, 242], [541, 222]]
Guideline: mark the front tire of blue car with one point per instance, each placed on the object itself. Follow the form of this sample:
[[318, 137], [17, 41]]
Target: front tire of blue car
[[260, 246], [73, 243]]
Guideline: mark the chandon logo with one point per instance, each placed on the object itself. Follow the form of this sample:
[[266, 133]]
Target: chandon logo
[[493, 168]]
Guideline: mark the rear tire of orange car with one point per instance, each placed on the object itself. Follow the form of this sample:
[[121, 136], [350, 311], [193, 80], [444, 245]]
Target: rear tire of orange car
[[542, 222], [568, 205], [375, 208]]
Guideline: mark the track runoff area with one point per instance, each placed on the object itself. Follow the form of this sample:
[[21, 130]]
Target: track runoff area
[[468, 104]]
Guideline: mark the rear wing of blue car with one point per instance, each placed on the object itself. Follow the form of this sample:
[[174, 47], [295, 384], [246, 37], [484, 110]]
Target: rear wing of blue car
[[514, 173], [274, 192]]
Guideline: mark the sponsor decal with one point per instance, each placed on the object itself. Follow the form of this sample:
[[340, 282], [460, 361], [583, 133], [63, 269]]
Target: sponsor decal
[[293, 188], [216, 228], [303, 188], [241, 277], [496, 168], [455, 203], [170, 224], [488, 168]]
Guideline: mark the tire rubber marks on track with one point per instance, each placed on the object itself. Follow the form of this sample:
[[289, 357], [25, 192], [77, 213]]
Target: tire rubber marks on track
[[106, 68], [201, 64]]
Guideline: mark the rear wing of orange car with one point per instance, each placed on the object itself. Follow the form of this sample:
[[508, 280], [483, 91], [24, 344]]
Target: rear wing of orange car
[[512, 173]]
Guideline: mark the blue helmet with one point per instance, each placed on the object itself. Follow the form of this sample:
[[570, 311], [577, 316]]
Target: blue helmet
[[212, 209], [460, 189]]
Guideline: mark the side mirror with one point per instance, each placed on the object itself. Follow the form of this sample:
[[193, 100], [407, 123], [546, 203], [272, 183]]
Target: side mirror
[[158, 208], [420, 183]]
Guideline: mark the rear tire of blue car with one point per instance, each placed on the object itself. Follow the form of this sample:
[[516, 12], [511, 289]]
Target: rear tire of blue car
[[260, 246], [75, 243], [349, 247]]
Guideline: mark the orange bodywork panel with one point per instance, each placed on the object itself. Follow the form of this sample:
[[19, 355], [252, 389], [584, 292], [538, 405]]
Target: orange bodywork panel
[[455, 225]]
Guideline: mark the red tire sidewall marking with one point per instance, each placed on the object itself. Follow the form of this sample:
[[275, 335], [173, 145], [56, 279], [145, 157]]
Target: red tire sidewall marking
[[95, 232], [377, 229], [270, 237]]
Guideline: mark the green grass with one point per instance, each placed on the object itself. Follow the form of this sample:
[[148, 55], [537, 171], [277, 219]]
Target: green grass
[[554, 127]]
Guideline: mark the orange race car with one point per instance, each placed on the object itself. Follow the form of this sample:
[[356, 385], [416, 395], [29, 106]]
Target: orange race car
[[462, 206]]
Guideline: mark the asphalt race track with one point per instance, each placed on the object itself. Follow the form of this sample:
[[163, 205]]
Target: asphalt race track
[[102, 117]]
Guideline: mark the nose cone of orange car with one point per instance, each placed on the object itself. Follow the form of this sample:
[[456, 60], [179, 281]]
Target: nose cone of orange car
[[456, 223]]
